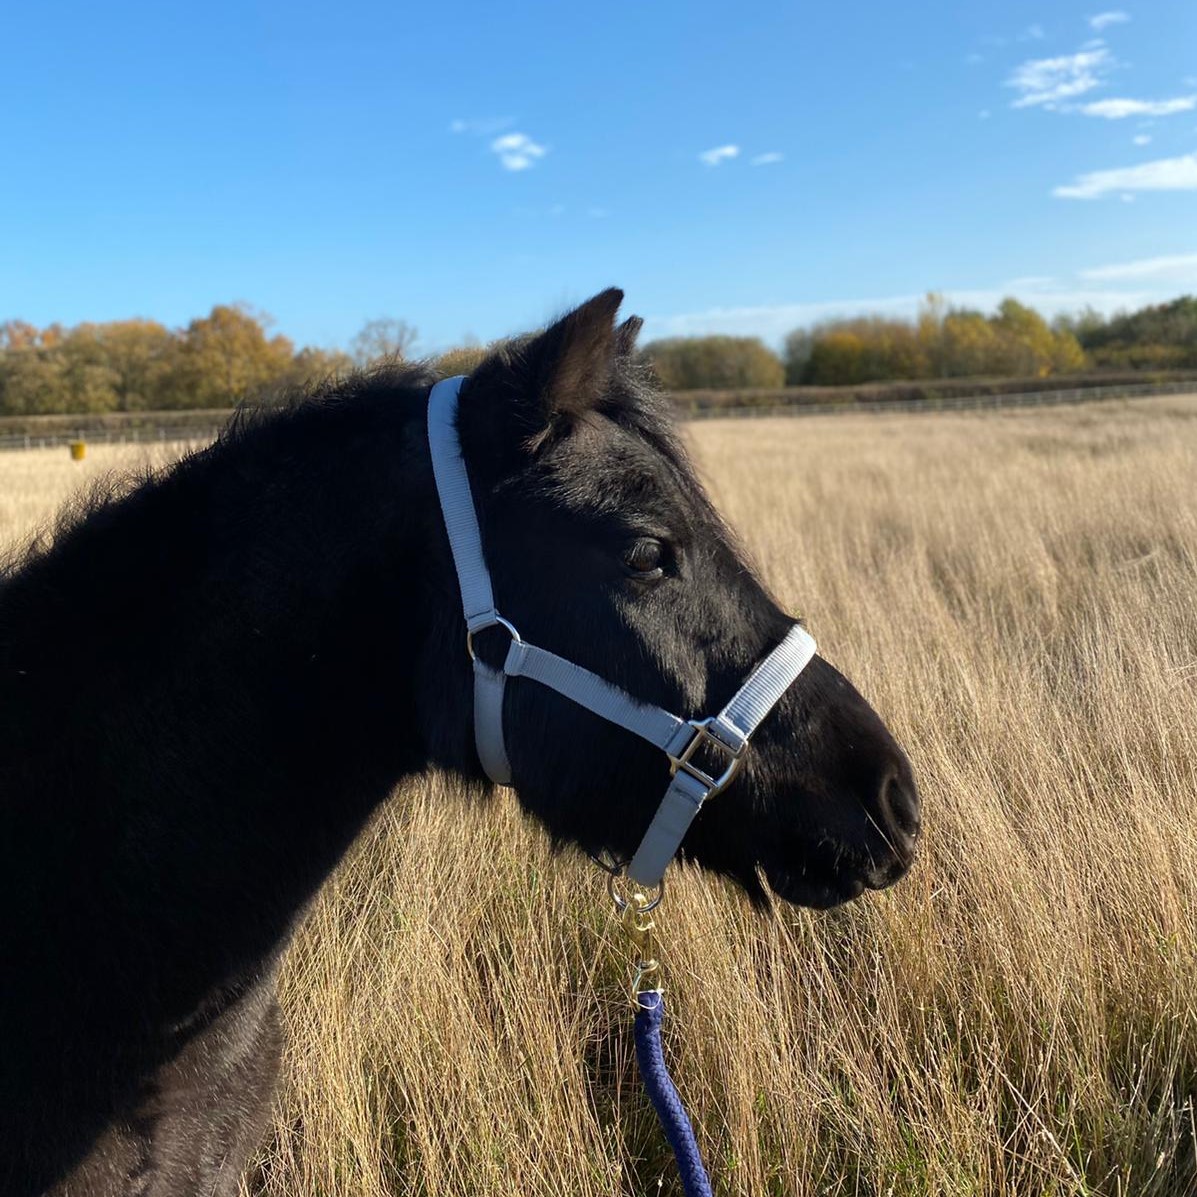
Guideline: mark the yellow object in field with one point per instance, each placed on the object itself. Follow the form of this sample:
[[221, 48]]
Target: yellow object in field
[[78, 450]]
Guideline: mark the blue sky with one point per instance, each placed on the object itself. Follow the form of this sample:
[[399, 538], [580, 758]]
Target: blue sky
[[474, 168]]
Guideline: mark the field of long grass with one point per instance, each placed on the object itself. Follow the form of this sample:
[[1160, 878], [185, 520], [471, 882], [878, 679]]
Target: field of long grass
[[1017, 595]]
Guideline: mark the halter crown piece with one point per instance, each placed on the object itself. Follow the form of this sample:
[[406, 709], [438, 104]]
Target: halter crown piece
[[726, 733]]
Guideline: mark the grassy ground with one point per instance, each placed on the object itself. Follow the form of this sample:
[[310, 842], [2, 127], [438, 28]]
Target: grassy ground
[[1015, 593]]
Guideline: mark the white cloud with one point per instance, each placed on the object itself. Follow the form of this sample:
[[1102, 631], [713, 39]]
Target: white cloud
[[517, 151], [720, 153], [1102, 19], [767, 159], [1116, 110], [1142, 139], [1048, 82], [1165, 174], [1180, 268], [1032, 33]]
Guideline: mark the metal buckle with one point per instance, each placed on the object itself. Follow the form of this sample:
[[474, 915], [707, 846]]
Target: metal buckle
[[703, 734], [498, 621]]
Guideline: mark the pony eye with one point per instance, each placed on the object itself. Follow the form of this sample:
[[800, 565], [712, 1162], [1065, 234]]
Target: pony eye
[[644, 556]]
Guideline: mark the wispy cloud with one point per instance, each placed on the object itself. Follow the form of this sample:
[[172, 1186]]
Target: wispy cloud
[[768, 159], [1170, 267], [1142, 139], [482, 126], [1049, 82], [719, 154], [1032, 33], [1165, 174], [1116, 110], [517, 151], [1101, 20]]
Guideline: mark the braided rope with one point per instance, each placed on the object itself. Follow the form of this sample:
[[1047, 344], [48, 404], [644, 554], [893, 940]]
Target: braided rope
[[650, 1008]]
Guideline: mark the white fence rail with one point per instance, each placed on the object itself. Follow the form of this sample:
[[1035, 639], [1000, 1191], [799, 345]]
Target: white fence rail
[[149, 434]]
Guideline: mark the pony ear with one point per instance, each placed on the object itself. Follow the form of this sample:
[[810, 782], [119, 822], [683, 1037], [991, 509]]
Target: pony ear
[[626, 334], [521, 391], [569, 364]]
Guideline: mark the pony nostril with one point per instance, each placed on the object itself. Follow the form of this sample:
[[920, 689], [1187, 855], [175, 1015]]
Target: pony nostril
[[897, 820], [898, 803]]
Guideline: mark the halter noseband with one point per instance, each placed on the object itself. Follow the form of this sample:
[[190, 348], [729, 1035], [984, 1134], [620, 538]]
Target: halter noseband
[[728, 732]]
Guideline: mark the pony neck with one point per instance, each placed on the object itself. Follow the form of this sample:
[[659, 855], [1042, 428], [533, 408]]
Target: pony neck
[[206, 688]]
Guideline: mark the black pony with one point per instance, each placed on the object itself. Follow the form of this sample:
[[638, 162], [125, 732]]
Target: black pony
[[208, 684]]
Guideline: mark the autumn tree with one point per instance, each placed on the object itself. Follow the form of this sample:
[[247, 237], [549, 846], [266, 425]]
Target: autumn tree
[[1026, 339], [225, 357], [796, 352], [384, 337], [18, 334], [689, 363], [1161, 335], [313, 367], [125, 365], [53, 370], [837, 358], [142, 356], [31, 383], [929, 325], [942, 342], [969, 345], [865, 349]]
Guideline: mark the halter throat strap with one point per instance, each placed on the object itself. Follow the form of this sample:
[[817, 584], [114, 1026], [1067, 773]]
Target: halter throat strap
[[726, 734]]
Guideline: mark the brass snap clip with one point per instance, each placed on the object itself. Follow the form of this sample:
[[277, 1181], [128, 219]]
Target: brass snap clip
[[635, 916]]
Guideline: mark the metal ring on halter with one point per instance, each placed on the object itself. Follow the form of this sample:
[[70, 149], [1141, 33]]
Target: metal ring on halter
[[621, 903], [498, 621]]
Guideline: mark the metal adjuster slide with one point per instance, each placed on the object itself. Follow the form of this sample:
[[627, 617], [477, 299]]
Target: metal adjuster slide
[[704, 735]]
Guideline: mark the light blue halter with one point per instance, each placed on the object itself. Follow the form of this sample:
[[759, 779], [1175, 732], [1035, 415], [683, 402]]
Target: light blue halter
[[728, 732]]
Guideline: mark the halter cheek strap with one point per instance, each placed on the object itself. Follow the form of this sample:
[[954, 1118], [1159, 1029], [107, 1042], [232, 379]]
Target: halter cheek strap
[[728, 733]]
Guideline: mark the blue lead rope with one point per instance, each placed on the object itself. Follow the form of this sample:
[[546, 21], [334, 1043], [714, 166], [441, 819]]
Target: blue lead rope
[[650, 1007]]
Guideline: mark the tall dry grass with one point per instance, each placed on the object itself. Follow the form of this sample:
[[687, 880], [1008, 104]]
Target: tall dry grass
[[1015, 593]]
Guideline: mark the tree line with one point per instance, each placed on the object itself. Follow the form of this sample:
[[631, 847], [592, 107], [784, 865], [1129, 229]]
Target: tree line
[[940, 342], [140, 365], [230, 355]]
